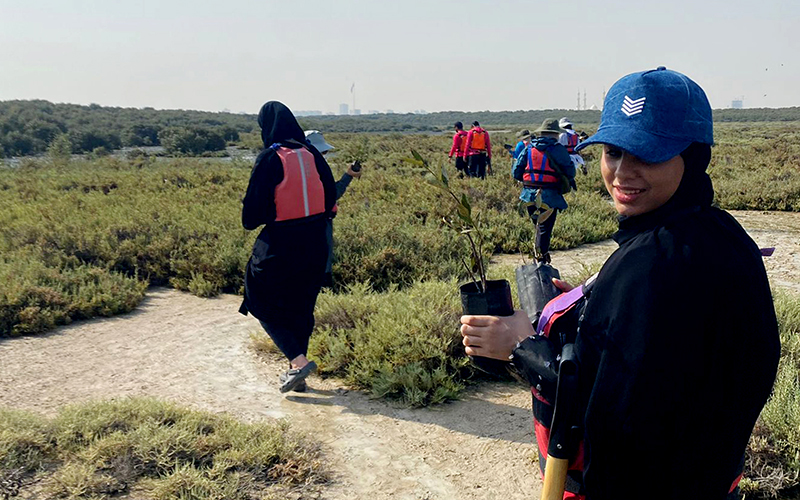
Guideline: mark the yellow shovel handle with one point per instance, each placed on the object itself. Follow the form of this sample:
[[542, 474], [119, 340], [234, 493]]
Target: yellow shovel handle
[[555, 476]]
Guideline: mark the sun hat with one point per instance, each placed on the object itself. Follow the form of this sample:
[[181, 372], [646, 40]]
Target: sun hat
[[522, 134], [564, 122], [317, 140], [549, 125], [654, 115]]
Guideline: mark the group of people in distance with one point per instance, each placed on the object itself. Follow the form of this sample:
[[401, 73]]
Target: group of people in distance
[[670, 382], [545, 165], [472, 150]]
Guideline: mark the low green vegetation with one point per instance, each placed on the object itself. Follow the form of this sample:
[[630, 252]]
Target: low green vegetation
[[84, 238], [757, 167], [154, 450], [773, 462]]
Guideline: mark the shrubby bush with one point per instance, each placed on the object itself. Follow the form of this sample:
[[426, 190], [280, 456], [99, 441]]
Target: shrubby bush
[[757, 167], [194, 140], [102, 450], [36, 297], [773, 458]]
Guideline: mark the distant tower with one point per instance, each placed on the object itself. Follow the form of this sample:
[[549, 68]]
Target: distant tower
[[579, 101], [604, 98], [584, 98], [738, 103], [344, 109]]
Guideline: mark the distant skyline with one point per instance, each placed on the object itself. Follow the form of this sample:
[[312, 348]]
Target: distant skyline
[[448, 55]]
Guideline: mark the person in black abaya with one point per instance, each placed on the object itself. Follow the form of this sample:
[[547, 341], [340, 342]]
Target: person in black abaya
[[678, 342], [291, 193]]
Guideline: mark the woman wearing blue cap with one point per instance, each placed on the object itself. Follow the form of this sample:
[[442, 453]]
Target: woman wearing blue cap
[[678, 342]]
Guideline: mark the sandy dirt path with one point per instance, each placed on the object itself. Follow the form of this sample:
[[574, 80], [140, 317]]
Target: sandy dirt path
[[196, 351]]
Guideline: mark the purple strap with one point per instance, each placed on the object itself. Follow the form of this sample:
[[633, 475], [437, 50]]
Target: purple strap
[[559, 304], [766, 252]]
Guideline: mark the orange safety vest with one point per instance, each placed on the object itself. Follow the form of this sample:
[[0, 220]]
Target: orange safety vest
[[538, 172], [572, 141], [300, 194], [462, 146], [478, 140]]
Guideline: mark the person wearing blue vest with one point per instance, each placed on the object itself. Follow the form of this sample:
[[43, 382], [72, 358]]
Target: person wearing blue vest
[[678, 343], [544, 167], [524, 137], [292, 194]]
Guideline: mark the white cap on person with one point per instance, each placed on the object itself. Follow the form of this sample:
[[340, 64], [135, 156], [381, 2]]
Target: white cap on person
[[317, 140]]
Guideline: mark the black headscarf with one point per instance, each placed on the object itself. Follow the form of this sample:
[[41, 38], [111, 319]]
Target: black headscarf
[[278, 124]]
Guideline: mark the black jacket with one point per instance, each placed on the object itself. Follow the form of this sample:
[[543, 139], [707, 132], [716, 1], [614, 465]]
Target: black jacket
[[679, 348]]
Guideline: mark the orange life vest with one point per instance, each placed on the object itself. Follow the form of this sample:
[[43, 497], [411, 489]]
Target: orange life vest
[[300, 194], [572, 141], [538, 171], [462, 146], [478, 140]]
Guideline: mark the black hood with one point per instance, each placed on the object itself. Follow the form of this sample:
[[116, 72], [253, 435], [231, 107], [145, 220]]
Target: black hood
[[278, 124]]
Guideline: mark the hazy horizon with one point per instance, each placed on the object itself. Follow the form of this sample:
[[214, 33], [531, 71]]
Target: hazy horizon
[[468, 56]]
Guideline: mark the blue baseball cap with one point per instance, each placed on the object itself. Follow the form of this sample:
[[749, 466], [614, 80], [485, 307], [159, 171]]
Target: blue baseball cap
[[654, 115]]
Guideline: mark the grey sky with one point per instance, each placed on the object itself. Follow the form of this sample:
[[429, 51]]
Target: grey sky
[[407, 55]]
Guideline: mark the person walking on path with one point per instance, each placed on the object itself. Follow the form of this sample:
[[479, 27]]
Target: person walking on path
[[478, 151], [670, 382], [292, 194], [570, 139], [316, 139], [458, 149], [545, 169]]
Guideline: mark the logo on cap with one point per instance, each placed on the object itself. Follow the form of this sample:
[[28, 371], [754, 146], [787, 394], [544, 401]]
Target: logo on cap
[[632, 107]]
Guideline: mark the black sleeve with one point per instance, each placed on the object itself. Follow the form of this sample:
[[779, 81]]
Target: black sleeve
[[326, 176], [342, 184], [258, 205]]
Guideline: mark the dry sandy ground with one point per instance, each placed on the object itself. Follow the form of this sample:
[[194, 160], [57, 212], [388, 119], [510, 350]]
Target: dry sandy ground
[[196, 351]]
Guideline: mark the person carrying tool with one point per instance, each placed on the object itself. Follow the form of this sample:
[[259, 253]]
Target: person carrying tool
[[570, 139], [678, 342], [545, 169], [458, 149], [291, 193], [316, 139], [478, 151]]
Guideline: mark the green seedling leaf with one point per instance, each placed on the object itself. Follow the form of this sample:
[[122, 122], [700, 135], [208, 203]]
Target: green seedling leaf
[[418, 157], [545, 215], [434, 181], [464, 214]]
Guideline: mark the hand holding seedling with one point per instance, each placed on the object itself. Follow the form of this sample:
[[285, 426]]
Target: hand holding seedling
[[354, 170], [494, 336]]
